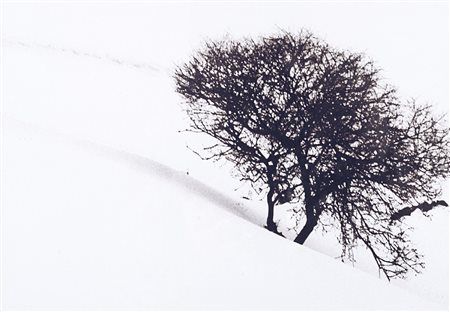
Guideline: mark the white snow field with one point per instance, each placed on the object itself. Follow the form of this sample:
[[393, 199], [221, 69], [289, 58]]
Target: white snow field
[[104, 206]]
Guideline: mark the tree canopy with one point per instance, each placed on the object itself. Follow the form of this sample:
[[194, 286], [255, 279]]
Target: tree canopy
[[311, 123]]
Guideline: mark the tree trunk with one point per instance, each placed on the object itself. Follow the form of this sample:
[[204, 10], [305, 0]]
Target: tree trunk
[[310, 201], [306, 230], [271, 226]]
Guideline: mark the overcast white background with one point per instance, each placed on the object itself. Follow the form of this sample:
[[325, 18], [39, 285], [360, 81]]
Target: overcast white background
[[407, 40]]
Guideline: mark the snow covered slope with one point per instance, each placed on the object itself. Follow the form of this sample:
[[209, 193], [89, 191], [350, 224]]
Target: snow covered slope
[[105, 207], [89, 227]]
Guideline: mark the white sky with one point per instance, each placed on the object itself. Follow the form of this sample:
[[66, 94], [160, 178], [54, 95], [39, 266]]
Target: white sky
[[409, 41]]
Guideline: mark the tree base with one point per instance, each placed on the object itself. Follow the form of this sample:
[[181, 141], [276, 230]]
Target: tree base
[[274, 229]]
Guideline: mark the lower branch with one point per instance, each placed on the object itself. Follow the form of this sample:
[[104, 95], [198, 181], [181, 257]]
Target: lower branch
[[407, 211]]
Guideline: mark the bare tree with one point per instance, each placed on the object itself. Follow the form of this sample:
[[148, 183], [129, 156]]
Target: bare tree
[[317, 124]]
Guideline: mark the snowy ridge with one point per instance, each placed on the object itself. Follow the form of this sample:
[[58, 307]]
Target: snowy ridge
[[144, 164]]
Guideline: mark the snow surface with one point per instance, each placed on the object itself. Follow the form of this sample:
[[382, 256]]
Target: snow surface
[[104, 207]]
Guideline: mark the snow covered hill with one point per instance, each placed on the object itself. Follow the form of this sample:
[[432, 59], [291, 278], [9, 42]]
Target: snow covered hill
[[104, 206], [93, 227]]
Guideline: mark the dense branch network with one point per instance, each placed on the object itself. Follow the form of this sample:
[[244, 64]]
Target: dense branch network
[[310, 123]]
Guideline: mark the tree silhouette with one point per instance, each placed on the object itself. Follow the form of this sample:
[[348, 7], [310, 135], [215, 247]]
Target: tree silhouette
[[312, 123]]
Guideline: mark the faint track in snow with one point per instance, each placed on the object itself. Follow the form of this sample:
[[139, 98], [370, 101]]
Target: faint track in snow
[[75, 52], [177, 177], [144, 164]]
